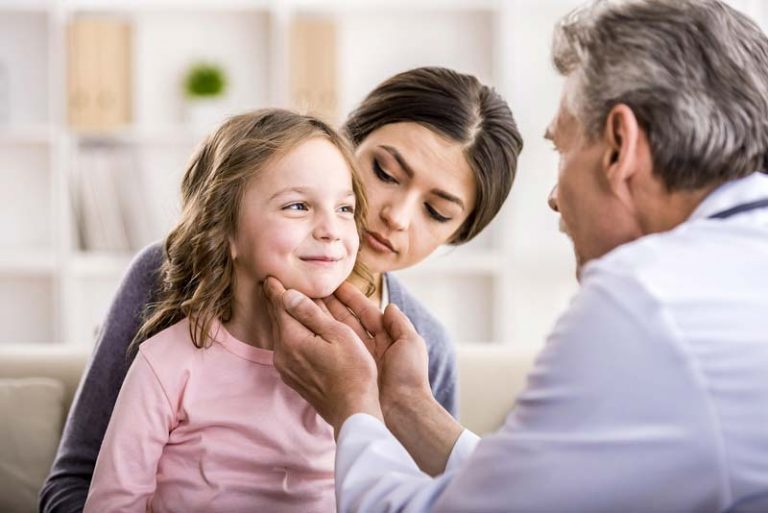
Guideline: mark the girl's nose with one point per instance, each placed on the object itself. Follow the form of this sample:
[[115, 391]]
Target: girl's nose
[[327, 227]]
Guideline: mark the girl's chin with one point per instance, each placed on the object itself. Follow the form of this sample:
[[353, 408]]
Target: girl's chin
[[314, 288]]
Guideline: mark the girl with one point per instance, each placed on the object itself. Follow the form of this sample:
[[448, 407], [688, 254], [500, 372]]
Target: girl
[[203, 421], [423, 139]]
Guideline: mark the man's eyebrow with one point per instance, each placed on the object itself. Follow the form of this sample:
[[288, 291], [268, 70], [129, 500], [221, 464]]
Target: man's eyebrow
[[548, 135]]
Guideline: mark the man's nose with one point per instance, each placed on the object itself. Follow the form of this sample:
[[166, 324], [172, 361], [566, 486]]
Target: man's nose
[[552, 199]]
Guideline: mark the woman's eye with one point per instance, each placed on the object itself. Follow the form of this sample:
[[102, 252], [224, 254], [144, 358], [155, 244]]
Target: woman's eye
[[434, 214], [296, 206], [381, 174]]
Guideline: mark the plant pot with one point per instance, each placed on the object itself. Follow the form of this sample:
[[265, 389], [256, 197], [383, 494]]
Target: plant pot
[[205, 113]]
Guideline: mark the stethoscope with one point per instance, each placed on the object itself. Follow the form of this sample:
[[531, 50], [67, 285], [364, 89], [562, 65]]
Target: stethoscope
[[739, 209]]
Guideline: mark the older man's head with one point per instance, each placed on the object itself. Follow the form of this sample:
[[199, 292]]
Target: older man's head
[[663, 101]]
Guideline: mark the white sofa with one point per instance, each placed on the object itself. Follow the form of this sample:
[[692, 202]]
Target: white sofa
[[37, 384]]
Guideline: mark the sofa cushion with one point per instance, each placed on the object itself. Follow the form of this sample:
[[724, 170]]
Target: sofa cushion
[[30, 426]]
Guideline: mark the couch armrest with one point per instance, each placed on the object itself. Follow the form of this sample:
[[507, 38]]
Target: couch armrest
[[62, 363], [490, 379]]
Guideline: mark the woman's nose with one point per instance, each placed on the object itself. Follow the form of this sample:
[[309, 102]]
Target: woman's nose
[[396, 215], [552, 199]]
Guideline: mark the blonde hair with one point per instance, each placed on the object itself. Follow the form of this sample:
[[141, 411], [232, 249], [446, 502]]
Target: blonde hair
[[198, 270]]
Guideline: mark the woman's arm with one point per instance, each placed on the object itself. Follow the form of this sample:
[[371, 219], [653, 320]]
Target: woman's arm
[[66, 487]]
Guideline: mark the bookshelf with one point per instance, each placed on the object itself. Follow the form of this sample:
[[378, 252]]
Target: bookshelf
[[57, 277]]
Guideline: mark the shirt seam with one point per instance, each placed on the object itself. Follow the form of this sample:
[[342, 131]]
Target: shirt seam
[[162, 388]]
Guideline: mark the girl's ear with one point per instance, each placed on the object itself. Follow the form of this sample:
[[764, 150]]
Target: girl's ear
[[232, 248]]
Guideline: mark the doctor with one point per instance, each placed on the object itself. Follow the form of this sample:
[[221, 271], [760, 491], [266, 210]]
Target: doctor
[[651, 394]]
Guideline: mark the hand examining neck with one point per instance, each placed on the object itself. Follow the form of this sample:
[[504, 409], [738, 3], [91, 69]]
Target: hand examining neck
[[321, 358], [418, 421]]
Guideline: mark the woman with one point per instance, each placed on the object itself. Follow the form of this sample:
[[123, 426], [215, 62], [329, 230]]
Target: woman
[[437, 152]]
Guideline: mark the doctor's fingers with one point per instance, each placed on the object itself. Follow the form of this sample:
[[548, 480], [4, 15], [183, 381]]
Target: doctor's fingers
[[364, 309], [273, 290], [341, 313], [322, 324], [297, 370], [397, 324], [287, 331]]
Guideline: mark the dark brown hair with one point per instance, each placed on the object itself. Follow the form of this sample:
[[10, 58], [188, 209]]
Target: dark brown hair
[[460, 108], [198, 271]]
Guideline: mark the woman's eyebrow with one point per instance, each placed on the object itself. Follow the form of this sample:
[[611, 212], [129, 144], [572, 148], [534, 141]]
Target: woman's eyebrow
[[409, 171], [399, 158], [448, 196]]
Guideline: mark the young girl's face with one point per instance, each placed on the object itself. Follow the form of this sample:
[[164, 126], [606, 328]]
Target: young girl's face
[[297, 221]]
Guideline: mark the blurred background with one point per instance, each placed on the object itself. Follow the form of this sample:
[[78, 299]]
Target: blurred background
[[103, 101]]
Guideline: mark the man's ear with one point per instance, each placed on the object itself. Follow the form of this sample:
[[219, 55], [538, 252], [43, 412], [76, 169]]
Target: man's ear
[[627, 151]]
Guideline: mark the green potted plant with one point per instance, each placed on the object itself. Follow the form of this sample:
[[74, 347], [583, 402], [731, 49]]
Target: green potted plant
[[205, 85]]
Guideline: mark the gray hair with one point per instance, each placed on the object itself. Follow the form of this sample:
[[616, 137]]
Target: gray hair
[[694, 72]]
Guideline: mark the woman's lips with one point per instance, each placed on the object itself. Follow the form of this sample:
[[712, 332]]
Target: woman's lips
[[379, 243]]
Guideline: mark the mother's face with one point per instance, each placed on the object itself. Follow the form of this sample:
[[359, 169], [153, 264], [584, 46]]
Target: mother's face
[[420, 191]]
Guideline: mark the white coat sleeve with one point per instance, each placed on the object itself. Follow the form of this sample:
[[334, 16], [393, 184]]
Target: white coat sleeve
[[614, 418]]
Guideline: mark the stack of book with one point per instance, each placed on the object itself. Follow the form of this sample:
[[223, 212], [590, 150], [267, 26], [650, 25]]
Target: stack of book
[[110, 201]]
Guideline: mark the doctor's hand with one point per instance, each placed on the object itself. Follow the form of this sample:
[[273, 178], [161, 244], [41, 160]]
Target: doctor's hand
[[399, 351], [420, 423], [323, 359]]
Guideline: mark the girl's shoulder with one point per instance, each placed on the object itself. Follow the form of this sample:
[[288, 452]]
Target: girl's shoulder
[[171, 344]]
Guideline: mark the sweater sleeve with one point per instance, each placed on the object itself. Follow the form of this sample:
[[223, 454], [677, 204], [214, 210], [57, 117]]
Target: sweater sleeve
[[67, 484], [125, 476]]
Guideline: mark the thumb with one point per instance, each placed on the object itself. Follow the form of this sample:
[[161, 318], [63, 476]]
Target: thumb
[[397, 324], [308, 313]]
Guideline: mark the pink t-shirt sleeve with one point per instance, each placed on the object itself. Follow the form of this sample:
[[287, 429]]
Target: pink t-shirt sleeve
[[124, 478]]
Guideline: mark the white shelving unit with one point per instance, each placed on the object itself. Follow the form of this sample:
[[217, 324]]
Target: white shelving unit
[[507, 286], [52, 291]]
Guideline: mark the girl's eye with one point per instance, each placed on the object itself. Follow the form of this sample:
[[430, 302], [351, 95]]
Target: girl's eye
[[348, 209], [296, 206], [381, 174], [434, 214]]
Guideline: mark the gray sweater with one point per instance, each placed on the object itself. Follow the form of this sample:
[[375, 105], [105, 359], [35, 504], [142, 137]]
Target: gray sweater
[[66, 487]]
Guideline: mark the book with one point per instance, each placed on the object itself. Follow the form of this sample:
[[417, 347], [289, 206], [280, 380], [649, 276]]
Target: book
[[99, 73], [313, 67]]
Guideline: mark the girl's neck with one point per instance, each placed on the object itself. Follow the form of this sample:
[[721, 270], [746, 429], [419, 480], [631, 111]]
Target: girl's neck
[[250, 322]]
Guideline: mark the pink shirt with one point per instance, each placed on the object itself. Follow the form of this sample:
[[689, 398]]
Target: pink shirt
[[211, 430]]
